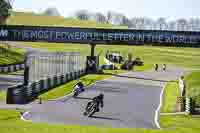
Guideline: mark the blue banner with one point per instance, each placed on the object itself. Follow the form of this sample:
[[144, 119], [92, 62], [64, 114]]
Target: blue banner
[[95, 35]]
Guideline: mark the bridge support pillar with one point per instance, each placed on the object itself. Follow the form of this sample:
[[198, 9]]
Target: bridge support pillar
[[92, 61], [26, 71], [92, 49]]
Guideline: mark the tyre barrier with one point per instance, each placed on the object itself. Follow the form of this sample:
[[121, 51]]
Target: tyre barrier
[[16, 95], [188, 103], [180, 107], [11, 68], [23, 94], [62, 81]]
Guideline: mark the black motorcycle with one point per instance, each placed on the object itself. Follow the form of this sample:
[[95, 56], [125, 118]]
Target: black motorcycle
[[90, 109]]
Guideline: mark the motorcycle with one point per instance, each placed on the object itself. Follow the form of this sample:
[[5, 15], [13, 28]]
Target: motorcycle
[[90, 109], [77, 90]]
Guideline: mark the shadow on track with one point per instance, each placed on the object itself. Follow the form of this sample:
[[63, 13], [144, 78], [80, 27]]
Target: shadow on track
[[84, 98], [105, 118]]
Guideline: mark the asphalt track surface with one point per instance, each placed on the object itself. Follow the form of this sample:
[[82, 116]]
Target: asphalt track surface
[[130, 101]]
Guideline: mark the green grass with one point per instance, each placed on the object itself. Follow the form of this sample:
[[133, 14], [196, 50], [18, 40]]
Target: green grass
[[20, 73], [170, 96], [192, 80], [145, 67], [193, 86], [13, 55], [182, 57], [179, 123], [32, 19], [11, 123], [2, 95]]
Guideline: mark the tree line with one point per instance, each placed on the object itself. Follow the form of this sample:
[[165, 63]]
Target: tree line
[[181, 24], [145, 23], [5, 7]]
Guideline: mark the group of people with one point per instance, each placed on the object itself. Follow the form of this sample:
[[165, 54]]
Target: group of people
[[164, 67]]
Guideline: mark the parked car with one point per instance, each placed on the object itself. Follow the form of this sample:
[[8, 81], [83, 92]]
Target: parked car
[[138, 62]]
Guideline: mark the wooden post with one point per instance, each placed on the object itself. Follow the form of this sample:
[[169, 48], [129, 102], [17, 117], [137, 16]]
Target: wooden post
[[180, 104]]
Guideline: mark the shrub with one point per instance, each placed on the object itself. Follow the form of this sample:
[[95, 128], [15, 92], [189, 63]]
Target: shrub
[[194, 93]]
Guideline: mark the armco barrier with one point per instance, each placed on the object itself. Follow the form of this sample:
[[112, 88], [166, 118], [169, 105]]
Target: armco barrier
[[11, 68], [23, 94]]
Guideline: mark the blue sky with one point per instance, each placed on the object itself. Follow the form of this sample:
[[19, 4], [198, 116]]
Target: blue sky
[[132, 8]]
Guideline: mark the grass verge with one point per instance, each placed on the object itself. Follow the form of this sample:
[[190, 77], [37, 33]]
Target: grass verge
[[193, 86], [19, 73], [11, 56], [2, 95], [145, 67], [179, 123], [11, 123], [170, 96]]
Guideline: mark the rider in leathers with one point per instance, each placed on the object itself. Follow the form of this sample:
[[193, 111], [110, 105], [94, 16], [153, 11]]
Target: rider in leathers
[[99, 101]]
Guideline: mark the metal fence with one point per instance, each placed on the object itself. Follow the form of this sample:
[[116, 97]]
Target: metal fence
[[47, 64], [45, 71]]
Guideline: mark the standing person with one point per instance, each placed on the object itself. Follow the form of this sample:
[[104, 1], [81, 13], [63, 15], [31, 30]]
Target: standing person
[[107, 54], [156, 67], [182, 86], [164, 67]]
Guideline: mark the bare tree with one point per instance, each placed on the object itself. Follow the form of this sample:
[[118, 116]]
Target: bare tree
[[82, 15], [99, 17], [133, 23], [109, 17], [5, 7], [194, 24], [182, 24], [161, 24], [140, 23], [51, 12], [172, 25], [125, 21], [117, 18], [148, 24]]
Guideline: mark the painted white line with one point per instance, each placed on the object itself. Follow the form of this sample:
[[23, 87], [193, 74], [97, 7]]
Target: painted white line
[[24, 114], [156, 118], [175, 113]]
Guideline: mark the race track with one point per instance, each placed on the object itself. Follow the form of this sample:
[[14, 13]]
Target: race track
[[131, 101]]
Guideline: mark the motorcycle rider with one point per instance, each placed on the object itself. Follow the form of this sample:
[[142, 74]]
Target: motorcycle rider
[[79, 87], [99, 101]]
